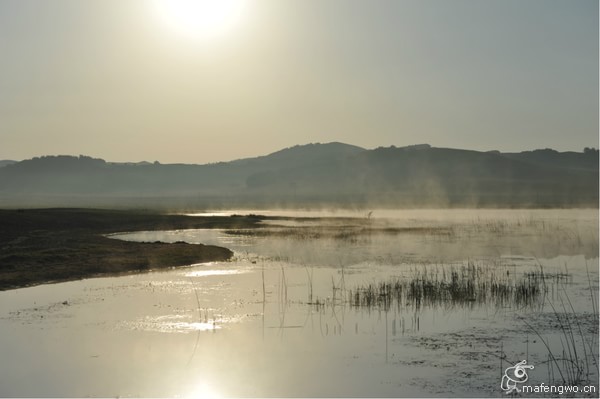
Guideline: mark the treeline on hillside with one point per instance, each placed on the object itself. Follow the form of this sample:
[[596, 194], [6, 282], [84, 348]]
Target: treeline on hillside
[[329, 174]]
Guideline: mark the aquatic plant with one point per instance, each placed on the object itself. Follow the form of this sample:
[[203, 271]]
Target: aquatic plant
[[575, 362], [468, 285]]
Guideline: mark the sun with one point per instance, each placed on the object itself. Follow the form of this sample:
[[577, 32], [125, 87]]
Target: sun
[[200, 18]]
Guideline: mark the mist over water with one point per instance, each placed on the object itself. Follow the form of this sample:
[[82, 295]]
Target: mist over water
[[420, 182], [310, 297], [330, 175]]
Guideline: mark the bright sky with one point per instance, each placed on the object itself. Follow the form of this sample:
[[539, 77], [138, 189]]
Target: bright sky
[[115, 79]]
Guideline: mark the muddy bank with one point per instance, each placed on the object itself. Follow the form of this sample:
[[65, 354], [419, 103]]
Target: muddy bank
[[38, 246]]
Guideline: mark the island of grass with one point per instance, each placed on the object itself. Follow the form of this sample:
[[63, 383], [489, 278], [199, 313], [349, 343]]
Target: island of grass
[[39, 246]]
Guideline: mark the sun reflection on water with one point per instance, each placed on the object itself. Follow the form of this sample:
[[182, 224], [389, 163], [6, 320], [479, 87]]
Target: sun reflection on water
[[216, 272], [172, 324]]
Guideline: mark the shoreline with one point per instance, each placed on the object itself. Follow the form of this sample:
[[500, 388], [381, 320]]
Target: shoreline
[[46, 246]]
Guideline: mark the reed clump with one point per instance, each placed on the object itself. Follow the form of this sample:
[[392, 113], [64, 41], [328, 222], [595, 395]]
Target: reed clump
[[467, 285]]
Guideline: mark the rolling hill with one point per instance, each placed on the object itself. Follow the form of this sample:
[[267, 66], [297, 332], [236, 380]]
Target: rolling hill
[[315, 174]]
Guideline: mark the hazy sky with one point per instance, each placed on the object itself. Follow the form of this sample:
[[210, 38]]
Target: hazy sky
[[108, 78]]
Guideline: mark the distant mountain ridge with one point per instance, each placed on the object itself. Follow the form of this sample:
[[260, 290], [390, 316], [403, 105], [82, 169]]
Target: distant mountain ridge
[[4, 162], [305, 154], [314, 174]]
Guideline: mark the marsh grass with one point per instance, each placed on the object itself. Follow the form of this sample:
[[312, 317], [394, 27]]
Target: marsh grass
[[575, 361], [349, 233], [467, 285]]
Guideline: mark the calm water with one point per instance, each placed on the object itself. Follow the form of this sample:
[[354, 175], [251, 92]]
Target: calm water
[[277, 321]]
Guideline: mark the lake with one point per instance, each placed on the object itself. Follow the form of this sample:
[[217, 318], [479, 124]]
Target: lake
[[410, 303]]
